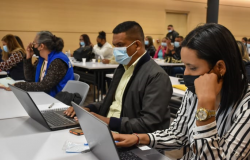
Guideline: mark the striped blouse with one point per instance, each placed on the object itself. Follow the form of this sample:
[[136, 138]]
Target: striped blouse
[[226, 138]]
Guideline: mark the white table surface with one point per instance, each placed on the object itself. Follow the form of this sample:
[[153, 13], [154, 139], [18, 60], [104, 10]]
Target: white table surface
[[25, 139], [2, 73], [92, 65], [11, 107]]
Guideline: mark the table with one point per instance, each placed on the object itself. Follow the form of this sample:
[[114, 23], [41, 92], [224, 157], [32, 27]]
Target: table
[[11, 107], [97, 77], [3, 73], [174, 80], [25, 139]]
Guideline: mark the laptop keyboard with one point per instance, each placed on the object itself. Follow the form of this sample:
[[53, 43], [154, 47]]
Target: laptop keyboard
[[56, 119], [128, 155]]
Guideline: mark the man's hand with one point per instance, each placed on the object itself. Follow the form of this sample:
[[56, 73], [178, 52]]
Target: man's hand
[[105, 61], [104, 119], [71, 113]]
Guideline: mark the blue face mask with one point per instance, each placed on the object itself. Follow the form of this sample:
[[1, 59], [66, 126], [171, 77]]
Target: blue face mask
[[82, 43], [248, 45], [121, 55], [164, 44], [5, 48], [146, 42], [177, 44]]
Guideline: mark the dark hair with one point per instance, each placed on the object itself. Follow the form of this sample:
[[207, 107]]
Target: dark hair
[[132, 29], [214, 42], [52, 42], [170, 25], [102, 35], [150, 41], [244, 38], [180, 37], [86, 39], [19, 41], [248, 39]]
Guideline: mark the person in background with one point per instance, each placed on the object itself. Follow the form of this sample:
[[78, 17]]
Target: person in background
[[175, 53], [248, 46], [149, 46], [138, 97], [161, 51], [245, 58], [20, 42], [109, 61], [12, 56], [172, 34], [84, 41], [1, 54], [53, 69], [213, 119], [103, 48], [244, 41]]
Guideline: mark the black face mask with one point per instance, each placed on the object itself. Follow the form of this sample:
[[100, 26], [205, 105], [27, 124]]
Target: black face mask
[[189, 81], [36, 51], [99, 45]]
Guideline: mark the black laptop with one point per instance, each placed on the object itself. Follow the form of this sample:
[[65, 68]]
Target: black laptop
[[53, 119], [102, 144]]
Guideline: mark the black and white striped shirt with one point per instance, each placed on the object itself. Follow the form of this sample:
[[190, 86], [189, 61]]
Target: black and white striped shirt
[[226, 138]]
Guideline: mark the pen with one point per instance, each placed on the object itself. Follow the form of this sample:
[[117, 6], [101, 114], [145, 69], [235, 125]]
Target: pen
[[51, 105]]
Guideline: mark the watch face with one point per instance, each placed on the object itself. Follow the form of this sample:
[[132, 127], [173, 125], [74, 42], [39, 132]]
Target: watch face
[[201, 115]]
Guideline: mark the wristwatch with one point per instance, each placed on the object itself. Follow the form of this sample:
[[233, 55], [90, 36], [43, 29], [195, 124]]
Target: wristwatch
[[202, 114]]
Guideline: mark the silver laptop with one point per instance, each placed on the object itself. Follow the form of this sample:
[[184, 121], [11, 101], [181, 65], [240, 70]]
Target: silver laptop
[[101, 142], [51, 119]]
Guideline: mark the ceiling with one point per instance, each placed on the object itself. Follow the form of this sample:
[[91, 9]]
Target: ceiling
[[240, 3]]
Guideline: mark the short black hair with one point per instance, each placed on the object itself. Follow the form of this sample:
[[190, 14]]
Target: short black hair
[[180, 37], [132, 29], [102, 35], [245, 38], [248, 39], [170, 25]]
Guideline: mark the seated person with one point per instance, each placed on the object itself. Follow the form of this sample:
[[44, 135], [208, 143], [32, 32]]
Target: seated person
[[216, 84], [138, 97], [53, 69], [248, 46], [149, 46], [12, 56], [103, 48], [1, 54], [85, 49], [245, 58], [160, 53]]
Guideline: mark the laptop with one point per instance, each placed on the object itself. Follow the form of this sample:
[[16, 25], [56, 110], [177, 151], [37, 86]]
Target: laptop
[[53, 119], [101, 142]]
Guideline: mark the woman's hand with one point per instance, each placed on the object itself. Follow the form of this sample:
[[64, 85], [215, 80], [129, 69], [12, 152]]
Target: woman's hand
[[125, 140], [207, 87], [29, 51]]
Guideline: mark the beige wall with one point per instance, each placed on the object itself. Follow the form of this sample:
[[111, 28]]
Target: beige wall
[[68, 19]]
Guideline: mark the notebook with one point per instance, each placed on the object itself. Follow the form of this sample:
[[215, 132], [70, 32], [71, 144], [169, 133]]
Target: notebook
[[5, 81]]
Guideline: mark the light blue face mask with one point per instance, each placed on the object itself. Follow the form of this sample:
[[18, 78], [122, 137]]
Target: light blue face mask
[[5, 48], [164, 44], [248, 45], [121, 55], [177, 44], [169, 31], [82, 44], [146, 42]]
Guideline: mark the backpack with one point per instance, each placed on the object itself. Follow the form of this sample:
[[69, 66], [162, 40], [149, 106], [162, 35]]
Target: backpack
[[66, 97], [84, 52]]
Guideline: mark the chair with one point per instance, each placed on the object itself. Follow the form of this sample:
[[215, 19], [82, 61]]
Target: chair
[[76, 76], [77, 87]]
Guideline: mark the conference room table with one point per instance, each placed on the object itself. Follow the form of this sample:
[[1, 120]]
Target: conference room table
[[3, 73], [94, 72]]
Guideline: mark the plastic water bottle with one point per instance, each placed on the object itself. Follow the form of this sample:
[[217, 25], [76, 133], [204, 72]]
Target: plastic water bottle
[[99, 59]]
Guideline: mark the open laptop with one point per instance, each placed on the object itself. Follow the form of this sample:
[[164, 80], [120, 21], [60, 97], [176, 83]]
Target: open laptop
[[53, 119], [101, 142]]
